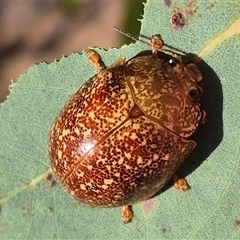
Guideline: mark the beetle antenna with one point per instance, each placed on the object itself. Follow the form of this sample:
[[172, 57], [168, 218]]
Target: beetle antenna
[[129, 35], [152, 45]]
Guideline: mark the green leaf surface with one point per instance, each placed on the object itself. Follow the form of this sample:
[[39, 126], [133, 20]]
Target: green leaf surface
[[31, 208]]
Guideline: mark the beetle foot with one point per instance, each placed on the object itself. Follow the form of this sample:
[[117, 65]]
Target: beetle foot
[[180, 183], [156, 43], [203, 117], [126, 214], [95, 60]]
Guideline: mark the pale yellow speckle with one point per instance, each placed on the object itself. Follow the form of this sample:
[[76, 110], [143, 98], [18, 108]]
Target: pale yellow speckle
[[111, 120], [59, 154], [87, 133], [117, 196], [133, 136], [65, 132], [127, 166], [65, 164], [149, 162], [89, 167], [128, 155], [82, 186], [155, 156], [108, 181], [117, 174], [104, 186], [108, 167], [120, 161], [166, 157], [60, 137], [156, 96], [115, 115], [72, 193], [92, 115], [154, 145], [76, 130], [135, 126], [81, 174], [89, 184], [139, 160], [72, 138]]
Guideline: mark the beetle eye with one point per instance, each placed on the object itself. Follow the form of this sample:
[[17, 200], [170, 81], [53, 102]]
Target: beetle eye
[[170, 63], [195, 94], [173, 62]]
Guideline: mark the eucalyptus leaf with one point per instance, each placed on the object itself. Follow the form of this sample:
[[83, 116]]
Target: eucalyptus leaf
[[32, 209]]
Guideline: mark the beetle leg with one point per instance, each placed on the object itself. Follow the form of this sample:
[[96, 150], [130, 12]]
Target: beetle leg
[[156, 44], [126, 214], [95, 60], [203, 117], [180, 183]]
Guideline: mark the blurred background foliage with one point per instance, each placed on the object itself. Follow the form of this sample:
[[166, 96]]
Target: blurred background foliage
[[42, 31]]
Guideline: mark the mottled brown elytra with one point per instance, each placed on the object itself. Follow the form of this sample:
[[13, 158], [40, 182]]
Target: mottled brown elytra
[[123, 134]]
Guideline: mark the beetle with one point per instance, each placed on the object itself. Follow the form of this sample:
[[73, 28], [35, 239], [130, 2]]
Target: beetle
[[124, 133]]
